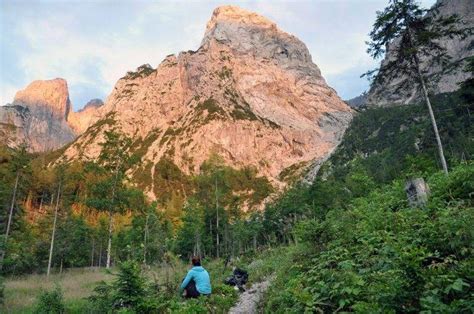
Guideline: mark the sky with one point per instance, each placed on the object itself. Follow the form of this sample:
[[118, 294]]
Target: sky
[[93, 43]]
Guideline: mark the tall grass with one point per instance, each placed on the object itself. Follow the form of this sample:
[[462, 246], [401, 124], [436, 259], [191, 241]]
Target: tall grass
[[21, 292]]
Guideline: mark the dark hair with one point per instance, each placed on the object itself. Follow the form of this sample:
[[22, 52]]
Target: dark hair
[[196, 261]]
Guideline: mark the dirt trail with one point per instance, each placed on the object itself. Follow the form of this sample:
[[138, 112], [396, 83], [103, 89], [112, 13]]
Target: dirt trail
[[249, 300]]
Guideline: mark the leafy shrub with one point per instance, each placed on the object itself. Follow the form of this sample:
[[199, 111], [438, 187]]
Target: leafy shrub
[[382, 256], [129, 292], [220, 301], [50, 302], [2, 290]]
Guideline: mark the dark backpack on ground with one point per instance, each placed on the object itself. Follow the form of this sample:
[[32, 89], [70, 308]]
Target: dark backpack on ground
[[238, 278]]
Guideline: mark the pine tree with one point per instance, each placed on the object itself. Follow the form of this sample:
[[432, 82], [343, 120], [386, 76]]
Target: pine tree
[[20, 167], [413, 38], [110, 194]]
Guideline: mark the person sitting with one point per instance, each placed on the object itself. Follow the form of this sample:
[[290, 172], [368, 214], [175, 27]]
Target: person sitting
[[197, 282]]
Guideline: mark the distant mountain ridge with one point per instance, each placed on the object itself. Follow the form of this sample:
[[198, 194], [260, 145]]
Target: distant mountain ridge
[[41, 116], [358, 101]]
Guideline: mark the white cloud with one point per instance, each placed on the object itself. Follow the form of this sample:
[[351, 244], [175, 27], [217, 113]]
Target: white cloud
[[60, 49], [7, 92], [95, 43]]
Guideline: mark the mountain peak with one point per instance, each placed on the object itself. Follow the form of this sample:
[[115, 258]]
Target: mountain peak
[[251, 34], [46, 94], [39, 116], [92, 104], [235, 14]]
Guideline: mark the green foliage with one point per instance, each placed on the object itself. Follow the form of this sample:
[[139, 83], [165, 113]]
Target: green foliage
[[230, 182], [129, 291], [213, 109], [225, 73], [92, 131], [467, 87], [191, 235], [16, 174], [50, 302], [381, 255], [140, 147], [411, 34], [141, 72], [168, 179], [129, 286], [142, 175], [110, 193], [222, 299], [394, 142], [292, 173], [145, 239], [2, 290]]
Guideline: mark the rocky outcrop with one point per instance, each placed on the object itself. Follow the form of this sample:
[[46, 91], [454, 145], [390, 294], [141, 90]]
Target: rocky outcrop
[[38, 115], [41, 117], [81, 120], [250, 94], [398, 90]]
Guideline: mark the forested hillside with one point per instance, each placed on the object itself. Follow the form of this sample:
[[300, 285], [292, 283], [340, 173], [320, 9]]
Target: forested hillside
[[360, 246]]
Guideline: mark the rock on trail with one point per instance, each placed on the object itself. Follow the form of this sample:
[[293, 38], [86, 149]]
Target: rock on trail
[[249, 300]]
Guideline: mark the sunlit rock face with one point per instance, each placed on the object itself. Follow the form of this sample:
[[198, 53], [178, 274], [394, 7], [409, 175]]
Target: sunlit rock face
[[41, 117], [38, 116], [250, 94], [81, 120], [398, 90]]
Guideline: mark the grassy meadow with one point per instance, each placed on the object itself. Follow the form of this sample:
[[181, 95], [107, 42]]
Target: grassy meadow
[[77, 284]]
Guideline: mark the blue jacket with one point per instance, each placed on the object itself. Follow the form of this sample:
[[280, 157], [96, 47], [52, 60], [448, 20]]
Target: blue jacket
[[201, 278]]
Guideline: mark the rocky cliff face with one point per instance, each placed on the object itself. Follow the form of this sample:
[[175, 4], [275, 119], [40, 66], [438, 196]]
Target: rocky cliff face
[[250, 94], [39, 117], [396, 90]]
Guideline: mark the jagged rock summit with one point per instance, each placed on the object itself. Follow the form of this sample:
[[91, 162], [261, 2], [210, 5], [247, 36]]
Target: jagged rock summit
[[48, 95], [40, 115], [250, 94]]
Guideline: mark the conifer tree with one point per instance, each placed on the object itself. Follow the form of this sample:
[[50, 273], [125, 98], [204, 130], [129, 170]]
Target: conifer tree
[[413, 39], [111, 194], [20, 166]]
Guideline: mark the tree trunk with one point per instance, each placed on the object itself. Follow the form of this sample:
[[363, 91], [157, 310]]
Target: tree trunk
[[100, 254], [217, 223], [109, 243], [435, 126], [10, 216], [432, 117], [51, 247], [92, 254], [41, 202], [145, 240]]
